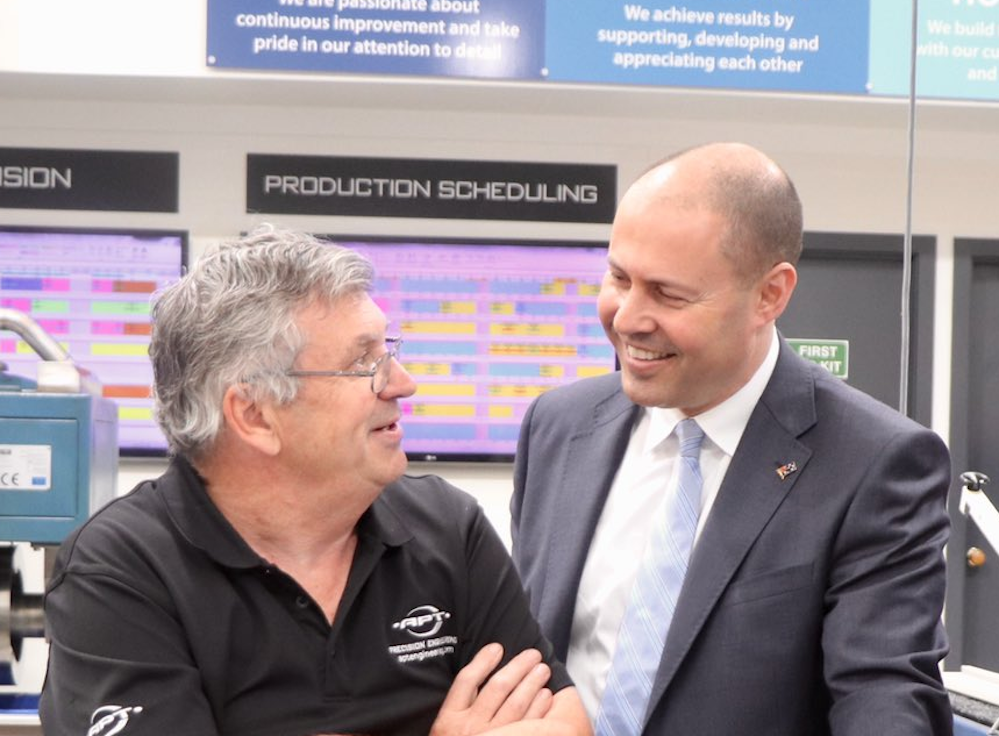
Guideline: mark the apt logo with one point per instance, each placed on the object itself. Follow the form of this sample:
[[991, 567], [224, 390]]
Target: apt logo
[[422, 621]]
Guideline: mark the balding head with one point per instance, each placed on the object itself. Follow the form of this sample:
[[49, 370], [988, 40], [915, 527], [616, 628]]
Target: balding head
[[752, 194]]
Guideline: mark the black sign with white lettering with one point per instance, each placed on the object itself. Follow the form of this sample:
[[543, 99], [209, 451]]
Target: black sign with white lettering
[[383, 187], [64, 179]]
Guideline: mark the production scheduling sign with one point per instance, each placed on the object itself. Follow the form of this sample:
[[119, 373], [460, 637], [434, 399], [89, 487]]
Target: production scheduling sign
[[450, 38], [794, 45], [833, 355], [386, 187]]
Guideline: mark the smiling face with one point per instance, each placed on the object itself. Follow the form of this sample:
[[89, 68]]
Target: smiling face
[[337, 428], [688, 329]]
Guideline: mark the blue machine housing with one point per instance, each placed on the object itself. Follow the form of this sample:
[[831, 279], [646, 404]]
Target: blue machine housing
[[82, 432]]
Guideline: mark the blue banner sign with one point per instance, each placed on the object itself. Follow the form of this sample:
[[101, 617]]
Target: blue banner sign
[[799, 45], [452, 38], [855, 47]]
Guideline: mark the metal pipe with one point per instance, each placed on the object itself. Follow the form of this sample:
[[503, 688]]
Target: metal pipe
[[39, 340], [906, 305]]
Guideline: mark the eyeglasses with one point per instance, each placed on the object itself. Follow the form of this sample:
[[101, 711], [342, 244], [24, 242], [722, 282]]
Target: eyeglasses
[[379, 371]]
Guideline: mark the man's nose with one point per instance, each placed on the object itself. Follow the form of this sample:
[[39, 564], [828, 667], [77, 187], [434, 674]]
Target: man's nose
[[400, 384]]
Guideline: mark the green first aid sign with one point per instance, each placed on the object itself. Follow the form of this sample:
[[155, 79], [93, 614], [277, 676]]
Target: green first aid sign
[[833, 355]]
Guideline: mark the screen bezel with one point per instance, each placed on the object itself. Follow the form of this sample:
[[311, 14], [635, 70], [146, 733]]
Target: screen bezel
[[345, 239], [136, 232]]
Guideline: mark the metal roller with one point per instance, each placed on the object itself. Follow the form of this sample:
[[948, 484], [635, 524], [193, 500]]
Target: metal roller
[[21, 615]]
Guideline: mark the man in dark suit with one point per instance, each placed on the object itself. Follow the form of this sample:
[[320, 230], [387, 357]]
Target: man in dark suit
[[812, 598]]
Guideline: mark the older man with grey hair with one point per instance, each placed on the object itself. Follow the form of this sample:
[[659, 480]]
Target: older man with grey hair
[[283, 576]]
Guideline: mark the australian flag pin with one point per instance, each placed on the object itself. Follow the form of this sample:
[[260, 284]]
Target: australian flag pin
[[785, 470]]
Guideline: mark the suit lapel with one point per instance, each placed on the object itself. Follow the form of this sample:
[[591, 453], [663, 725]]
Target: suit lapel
[[749, 496], [593, 457]]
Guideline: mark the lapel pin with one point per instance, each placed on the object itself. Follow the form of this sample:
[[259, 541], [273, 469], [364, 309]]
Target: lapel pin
[[785, 470]]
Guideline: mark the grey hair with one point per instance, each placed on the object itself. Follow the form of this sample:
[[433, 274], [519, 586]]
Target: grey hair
[[231, 320]]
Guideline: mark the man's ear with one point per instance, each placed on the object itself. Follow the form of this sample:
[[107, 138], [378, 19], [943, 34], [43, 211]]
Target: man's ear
[[775, 289], [249, 421]]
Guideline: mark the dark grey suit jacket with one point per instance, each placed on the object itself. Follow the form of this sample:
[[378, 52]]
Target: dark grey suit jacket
[[811, 604]]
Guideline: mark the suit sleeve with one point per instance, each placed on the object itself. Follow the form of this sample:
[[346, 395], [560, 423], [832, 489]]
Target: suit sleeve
[[882, 636], [519, 481]]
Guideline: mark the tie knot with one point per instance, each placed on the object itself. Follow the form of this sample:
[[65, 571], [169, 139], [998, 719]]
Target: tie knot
[[690, 435]]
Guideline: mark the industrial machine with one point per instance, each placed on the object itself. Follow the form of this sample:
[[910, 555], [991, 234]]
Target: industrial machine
[[58, 464]]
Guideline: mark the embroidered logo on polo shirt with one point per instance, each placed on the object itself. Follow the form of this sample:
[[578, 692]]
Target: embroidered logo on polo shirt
[[423, 623], [111, 719]]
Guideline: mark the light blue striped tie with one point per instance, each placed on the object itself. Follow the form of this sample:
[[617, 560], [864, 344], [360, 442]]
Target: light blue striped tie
[[657, 586]]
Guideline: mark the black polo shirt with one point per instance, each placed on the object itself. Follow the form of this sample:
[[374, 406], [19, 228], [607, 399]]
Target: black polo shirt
[[161, 616]]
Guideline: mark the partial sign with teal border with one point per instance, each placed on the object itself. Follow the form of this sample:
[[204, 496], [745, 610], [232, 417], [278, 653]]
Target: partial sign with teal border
[[833, 355], [957, 51]]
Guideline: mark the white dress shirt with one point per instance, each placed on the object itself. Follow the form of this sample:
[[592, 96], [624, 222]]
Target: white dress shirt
[[636, 496]]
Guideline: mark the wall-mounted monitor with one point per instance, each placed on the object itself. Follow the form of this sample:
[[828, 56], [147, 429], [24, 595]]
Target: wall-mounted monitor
[[487, 326], [90, 289]]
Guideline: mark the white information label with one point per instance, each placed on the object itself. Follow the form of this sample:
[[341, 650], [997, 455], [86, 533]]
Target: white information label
[[25, 467]]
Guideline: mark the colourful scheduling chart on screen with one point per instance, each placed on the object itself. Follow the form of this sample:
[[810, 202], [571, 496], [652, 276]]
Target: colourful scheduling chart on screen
[[486, 329], [91, 292]]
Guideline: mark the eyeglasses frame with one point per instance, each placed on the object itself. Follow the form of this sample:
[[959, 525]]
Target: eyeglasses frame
[[394, 345]]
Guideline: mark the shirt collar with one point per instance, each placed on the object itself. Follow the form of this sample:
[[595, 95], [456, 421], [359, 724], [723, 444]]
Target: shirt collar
[[725, 423], [200, 522]]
